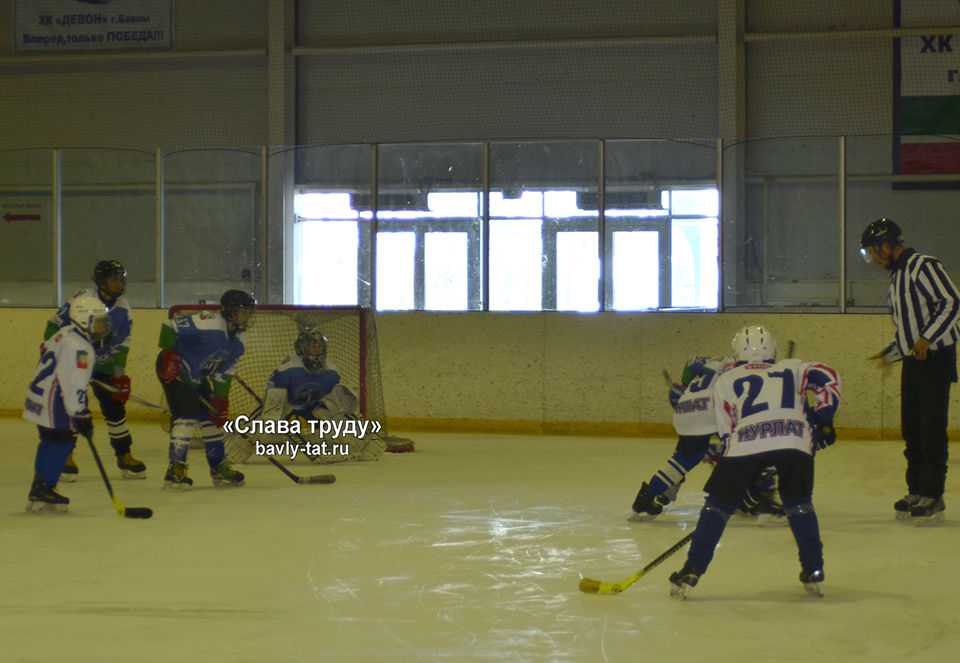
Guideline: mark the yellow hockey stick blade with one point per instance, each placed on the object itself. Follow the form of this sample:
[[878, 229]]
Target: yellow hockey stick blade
[[591, 586]]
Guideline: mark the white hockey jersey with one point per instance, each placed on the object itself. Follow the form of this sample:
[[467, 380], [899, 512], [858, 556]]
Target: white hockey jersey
[[58, 390], [763, 407], [694, 413]]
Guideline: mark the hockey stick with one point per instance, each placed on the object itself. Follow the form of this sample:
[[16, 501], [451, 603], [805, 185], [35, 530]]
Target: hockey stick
[[790, 346], [596, 587], [165, 424], [666, 376], [141, 401], [126, 512], [316, 478]]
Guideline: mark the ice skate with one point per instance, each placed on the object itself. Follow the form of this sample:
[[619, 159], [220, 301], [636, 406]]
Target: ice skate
[[682, 581], [224, 475], [928, 511], [902, 506], [176, 477], [812, 580], [70, 470], [44, 499], [130, 467], [645, 506]]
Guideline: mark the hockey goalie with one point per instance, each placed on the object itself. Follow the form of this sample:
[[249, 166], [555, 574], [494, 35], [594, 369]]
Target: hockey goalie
[[306, 387]]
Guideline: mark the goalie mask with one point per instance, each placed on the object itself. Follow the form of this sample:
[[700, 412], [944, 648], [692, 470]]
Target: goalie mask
[[754, 344], [311, 347], [110, 269], [89, 316], [238, 307]]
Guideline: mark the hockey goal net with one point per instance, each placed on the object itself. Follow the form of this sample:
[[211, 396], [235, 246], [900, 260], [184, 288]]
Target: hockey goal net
[[352, 345]]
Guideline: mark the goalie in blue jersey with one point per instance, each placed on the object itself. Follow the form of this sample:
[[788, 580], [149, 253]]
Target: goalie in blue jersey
[[195, 366], [308, 385]]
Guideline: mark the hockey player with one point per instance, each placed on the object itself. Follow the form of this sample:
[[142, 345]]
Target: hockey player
[[307, 385], [197, 357], [57, 397], [767, 413], [110, 282], [695, 422]]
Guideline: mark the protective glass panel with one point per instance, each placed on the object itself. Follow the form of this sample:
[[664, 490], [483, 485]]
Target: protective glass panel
[[516, 251], [636, 283], [445, 271], [578, 272], [212, 238], [694, 267], [26, 208], [325, 263], [110, 213], [552, 185], [395, 258], [334, 184]]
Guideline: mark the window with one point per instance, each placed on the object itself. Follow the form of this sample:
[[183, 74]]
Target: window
[[544, 252]]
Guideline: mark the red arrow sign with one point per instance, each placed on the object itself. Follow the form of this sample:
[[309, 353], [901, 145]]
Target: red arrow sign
[[8, 217]]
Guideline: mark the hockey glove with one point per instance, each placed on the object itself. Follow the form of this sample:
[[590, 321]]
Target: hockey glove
[[219, 409], [122, 385], [169, 368], [83, 423], [823, 435]]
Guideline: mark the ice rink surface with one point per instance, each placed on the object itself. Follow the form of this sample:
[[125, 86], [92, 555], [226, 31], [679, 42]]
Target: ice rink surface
[[469, 549]]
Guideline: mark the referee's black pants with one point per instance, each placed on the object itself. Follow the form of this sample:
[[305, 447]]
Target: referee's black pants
[[924, 409]]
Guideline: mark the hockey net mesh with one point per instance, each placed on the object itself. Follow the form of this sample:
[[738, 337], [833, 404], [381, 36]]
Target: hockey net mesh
[[352, 345]]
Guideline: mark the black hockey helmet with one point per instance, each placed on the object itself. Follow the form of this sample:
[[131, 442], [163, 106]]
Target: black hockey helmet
[[878, 232], [234, 301], [106, 269]]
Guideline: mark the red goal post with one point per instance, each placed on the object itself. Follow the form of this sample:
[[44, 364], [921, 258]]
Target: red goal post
[[351, 332]]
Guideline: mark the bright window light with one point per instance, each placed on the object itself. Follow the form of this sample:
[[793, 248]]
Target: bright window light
[[528, 205], [701, 202], [516, 259], [325, 263], [694, 263], [395, 255], [578, 271], [323, 206], [454, 204], [445, 271], [636, 270], [563, 205]]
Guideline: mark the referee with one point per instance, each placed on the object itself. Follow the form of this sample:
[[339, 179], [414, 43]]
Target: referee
[[925, 305]]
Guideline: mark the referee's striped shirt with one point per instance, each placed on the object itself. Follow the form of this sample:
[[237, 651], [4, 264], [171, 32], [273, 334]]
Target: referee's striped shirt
[[924, 302]]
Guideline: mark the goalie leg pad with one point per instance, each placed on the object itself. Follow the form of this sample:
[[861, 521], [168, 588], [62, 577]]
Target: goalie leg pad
[[238, 448], [341, 400], [369, 447]]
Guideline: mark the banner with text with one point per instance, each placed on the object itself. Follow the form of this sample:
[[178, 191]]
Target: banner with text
[[45, 26], [926, 89]]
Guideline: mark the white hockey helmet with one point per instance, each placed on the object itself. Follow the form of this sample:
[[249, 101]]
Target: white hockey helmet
[[754, 344], [89, 316]]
